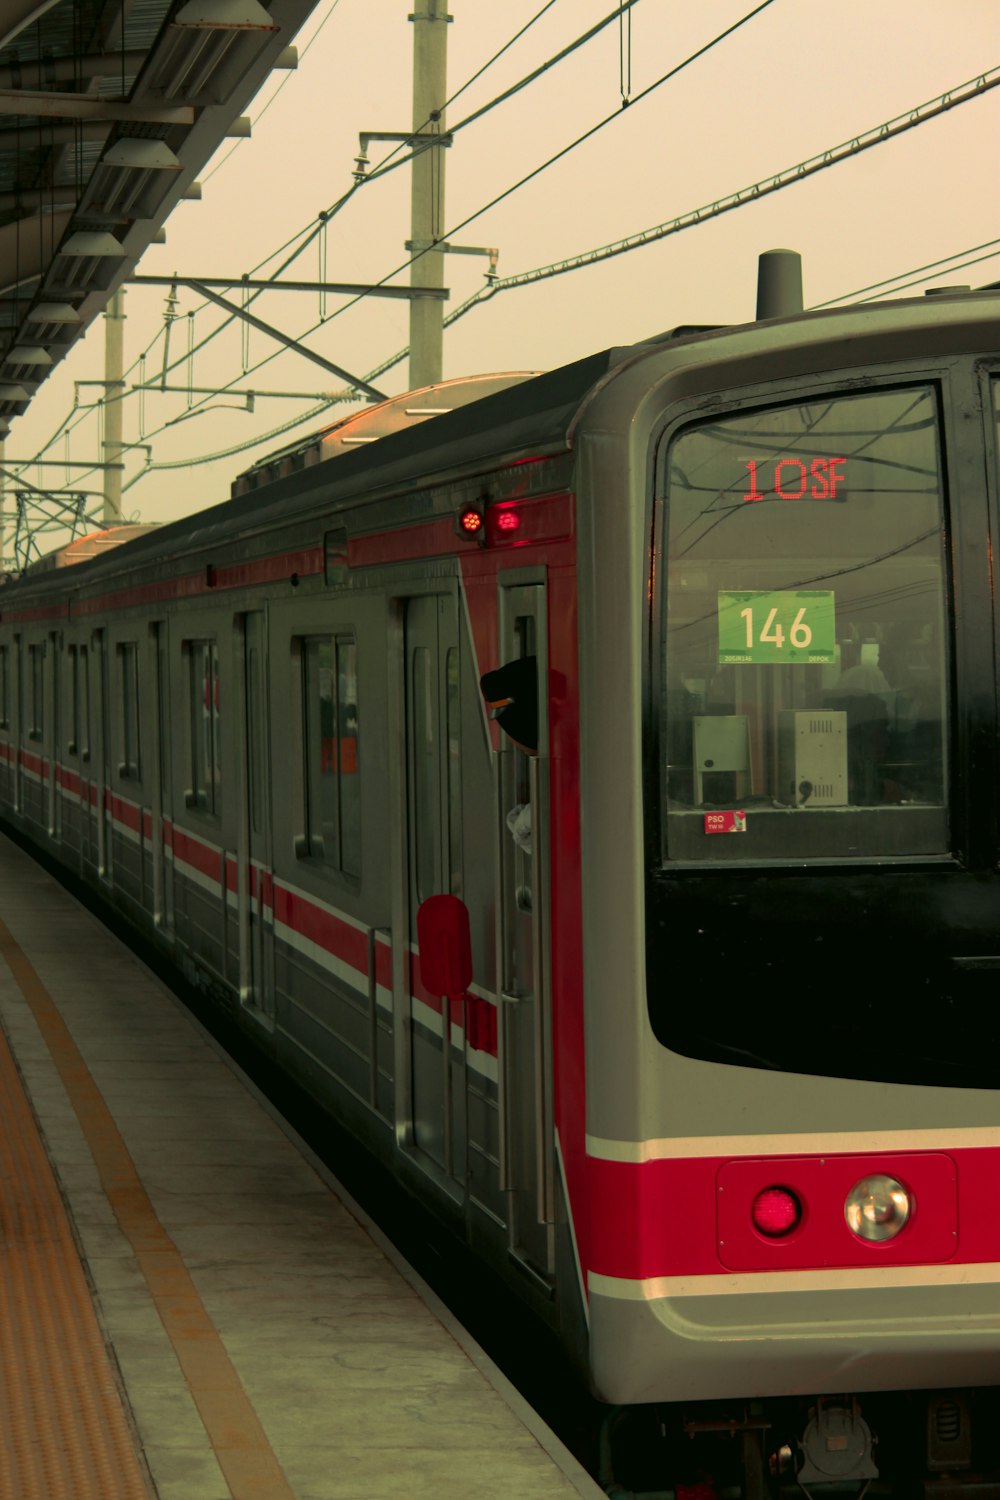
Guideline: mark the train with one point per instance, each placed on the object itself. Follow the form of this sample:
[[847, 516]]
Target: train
[[682, 1008]]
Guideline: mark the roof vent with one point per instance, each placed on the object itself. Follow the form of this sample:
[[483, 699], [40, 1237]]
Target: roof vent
[[945, 291]]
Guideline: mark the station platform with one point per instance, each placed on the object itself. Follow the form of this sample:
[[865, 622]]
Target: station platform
[[190, 1306]]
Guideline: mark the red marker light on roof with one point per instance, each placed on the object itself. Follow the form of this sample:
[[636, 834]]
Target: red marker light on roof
[[776, 1212], [470, 521]]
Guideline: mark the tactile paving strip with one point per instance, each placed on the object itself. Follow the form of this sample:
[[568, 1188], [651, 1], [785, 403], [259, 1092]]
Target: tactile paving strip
[[64, 1434], [249, 1465]]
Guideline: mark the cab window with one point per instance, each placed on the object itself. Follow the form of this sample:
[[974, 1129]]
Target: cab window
[[804, 687]]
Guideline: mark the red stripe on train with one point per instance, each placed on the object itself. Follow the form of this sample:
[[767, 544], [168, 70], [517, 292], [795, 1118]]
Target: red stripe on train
[[692, 1216], [303, 561]]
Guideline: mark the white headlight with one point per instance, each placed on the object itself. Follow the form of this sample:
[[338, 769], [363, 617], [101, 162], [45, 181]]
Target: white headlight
[[877, 1207]]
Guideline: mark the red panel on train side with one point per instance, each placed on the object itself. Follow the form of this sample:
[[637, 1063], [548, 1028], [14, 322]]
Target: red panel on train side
[[566, 896], [822, 1238], [659, 1218]]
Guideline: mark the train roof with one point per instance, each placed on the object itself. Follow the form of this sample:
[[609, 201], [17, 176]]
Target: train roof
[[538, 415]]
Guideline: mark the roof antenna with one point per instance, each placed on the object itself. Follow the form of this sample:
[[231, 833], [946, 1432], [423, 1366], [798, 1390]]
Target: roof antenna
[[779, 284]]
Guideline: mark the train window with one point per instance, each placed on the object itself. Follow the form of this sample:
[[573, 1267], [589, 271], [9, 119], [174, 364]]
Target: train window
[[71, 741], [330, 739], [128, 674], [83, 703], [72, 667], [203, 714], [36, 698], [805, 677], [4, 688], [255, 721]]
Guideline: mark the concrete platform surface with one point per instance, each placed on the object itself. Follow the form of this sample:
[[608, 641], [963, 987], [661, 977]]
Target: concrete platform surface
[[266, 1341]]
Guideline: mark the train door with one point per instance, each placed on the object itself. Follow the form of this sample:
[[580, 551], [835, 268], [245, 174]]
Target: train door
[[256, 914], [434, 867], [525, 1051]]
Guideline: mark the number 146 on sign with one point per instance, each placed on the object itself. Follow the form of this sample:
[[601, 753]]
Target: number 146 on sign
[[784, 625]]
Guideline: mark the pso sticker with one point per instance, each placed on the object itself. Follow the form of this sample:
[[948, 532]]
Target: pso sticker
[[726, 822]]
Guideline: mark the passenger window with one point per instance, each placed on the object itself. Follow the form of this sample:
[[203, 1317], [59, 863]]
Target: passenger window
[[205, 791], [255, 731], [4, 687], [128, 676], [36, 702], [332, 814], [72, 743], [803, 703], [83, 703]]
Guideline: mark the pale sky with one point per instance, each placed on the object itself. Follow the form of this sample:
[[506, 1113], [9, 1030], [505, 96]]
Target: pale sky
[[800, 77]]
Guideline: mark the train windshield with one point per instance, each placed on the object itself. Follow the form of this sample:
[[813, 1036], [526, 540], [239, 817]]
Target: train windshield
[[803, 706]]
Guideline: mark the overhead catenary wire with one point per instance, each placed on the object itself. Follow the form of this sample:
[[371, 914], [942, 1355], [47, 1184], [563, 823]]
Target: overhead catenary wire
[[923, 273], [773, 183], [318, 226], [321, 221], [829, 158], [263, 111], [557, 156], [303, 238], [918, 273]]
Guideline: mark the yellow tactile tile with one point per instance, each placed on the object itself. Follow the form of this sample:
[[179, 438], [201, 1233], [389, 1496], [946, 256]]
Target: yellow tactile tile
[[64, 1434], [241, 1446]]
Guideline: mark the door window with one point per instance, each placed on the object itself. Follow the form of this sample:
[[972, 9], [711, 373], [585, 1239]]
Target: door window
[[330, 738]]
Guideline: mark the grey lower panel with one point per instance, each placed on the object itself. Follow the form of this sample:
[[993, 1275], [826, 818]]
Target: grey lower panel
[[198, 922], [126, 861], [807, 1343], [331, 1023]]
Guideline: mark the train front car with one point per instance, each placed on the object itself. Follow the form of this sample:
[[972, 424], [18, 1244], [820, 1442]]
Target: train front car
[[791, 905]]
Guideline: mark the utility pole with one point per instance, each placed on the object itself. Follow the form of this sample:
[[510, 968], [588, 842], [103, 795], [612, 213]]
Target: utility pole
[[430, 69], [114, 390]]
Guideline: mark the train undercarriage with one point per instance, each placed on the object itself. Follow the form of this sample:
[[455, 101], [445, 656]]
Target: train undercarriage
[[913, 1445]]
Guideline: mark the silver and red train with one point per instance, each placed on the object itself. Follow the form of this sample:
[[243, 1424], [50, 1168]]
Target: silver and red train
[[709, 1062]]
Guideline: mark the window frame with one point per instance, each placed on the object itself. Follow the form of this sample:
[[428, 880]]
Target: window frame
[[130, 715], [36, 694], [203, 793], [342, 863], [5, 661], [687, 413]]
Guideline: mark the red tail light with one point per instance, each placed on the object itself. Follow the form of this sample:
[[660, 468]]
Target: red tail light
[[776, 1212]]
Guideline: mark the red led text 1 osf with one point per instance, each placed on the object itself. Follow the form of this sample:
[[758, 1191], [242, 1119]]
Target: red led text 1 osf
[[798, 479]]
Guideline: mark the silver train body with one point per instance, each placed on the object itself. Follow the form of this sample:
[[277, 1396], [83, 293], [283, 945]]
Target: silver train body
[[720, 1092]]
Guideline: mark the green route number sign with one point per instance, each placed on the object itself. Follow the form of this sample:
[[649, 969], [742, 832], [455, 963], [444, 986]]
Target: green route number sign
[[785, 625]]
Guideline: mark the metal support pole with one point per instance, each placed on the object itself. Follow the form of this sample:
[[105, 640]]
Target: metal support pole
[[430, 66], [114, 391]]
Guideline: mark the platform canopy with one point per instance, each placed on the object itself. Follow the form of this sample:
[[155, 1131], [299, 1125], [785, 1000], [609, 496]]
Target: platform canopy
[[109, 109]]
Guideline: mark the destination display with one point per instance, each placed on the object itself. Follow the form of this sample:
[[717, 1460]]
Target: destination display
[[778, 626], [820, 478]]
